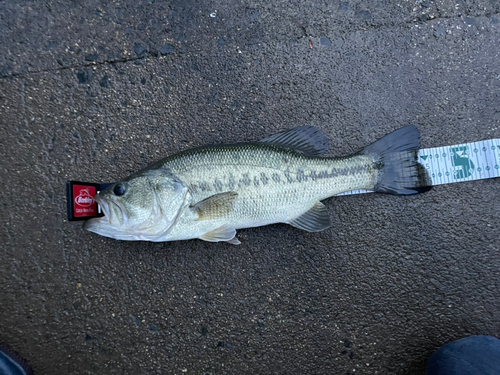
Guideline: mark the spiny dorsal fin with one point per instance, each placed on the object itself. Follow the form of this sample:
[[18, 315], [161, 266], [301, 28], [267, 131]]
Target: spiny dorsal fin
[[215, 206], [224, 233], [304, 139], [314, 220]]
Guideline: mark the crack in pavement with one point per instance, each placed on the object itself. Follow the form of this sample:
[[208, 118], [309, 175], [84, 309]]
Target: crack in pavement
[[424, 18], [78, 66]]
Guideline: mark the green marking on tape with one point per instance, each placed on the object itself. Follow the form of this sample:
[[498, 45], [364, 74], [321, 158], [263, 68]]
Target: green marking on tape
[[463, 166], [424, 157]]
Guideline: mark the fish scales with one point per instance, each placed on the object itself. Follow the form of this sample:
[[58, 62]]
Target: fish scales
[[268, 178]]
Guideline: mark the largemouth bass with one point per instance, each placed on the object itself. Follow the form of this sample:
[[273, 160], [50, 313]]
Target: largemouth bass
[[210, 192]]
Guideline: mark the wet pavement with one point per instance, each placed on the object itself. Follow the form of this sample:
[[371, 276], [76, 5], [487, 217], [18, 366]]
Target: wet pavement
[[94, 92]]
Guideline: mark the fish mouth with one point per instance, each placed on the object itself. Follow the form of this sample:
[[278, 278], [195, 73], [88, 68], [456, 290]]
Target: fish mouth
[[103, 205], [110, 224], [112, 211]]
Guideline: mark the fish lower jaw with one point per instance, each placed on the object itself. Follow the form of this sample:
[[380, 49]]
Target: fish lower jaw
[[103, 227]]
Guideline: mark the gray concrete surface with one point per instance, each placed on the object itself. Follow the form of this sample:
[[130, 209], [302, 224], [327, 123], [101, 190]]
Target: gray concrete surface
[[94, 91]]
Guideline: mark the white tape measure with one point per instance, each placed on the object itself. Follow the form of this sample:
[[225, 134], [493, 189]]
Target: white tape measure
[[463, 162]]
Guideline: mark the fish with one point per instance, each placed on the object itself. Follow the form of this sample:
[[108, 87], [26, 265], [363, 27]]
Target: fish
[[210, 192]]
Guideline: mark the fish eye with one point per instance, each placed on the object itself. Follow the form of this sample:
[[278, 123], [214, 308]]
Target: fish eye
[[119, 189]]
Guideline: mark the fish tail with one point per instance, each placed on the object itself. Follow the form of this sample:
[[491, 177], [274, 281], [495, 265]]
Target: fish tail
[[395, 157]]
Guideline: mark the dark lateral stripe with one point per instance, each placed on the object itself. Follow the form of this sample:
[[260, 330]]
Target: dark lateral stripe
[[285, 177]]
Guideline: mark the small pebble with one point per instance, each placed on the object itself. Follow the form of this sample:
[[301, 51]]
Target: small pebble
[[166, 49], [84, 76], [324, 41], [140, 50], [93, 57]]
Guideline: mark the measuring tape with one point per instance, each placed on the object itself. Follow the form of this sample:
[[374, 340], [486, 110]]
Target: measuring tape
[[458, 163]]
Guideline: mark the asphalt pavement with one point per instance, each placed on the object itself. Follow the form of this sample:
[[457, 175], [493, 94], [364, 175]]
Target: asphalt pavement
[[95, 90]]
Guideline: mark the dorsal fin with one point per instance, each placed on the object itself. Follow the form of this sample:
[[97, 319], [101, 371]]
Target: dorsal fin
[[307, 140]]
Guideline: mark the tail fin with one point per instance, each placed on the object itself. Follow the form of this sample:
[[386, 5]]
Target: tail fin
[[395, 155]]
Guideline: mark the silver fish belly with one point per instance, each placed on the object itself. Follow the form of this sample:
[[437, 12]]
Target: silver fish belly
[[280, 179]]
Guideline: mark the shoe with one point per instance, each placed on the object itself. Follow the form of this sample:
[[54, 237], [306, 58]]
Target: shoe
[[13, 364], [474, 355]]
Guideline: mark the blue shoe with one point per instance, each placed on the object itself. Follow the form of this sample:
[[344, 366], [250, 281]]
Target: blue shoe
[[13, 364], [474, 355]]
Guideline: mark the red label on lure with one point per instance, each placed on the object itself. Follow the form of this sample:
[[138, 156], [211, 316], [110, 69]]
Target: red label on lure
[[84, 203], [81, 202]]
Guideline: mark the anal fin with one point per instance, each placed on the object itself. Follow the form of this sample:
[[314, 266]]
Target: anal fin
[[315, 219], [234, 241], [224, 233]]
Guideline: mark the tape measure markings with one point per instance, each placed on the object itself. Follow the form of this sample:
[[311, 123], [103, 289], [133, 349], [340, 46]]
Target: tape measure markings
[[457, 163]]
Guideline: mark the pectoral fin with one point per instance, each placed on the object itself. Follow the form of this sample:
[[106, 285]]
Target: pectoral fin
[[314, 220], [224, 233], [215, 206]]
